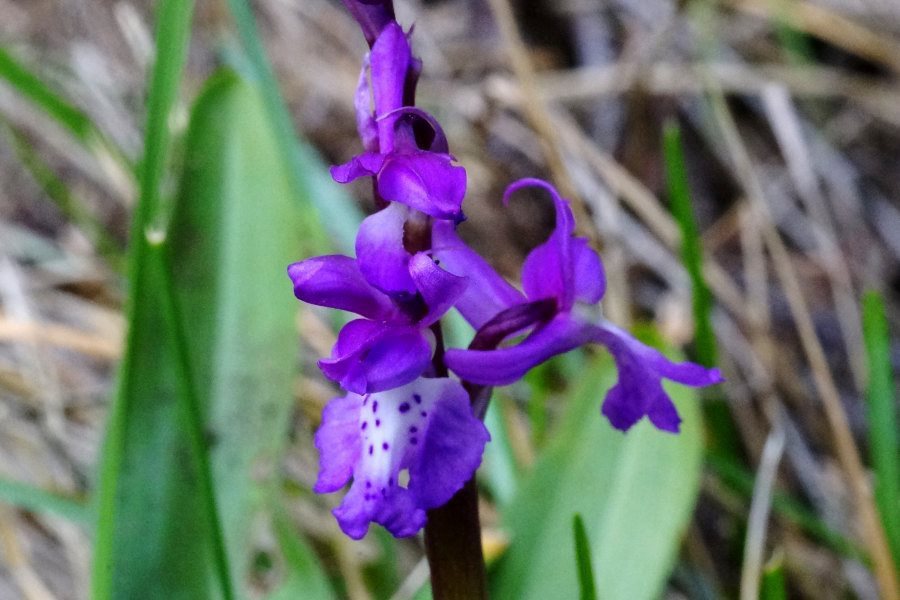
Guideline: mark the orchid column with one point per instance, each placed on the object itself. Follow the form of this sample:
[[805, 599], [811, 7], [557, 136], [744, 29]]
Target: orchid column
[[407, 434]]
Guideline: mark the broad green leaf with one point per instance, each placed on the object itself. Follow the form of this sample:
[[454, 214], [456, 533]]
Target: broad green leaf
[[635, 492], [233, 231], [336, 210], [148, 538]]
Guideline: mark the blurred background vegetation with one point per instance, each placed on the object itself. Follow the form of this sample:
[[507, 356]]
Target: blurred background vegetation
[[735, 162]]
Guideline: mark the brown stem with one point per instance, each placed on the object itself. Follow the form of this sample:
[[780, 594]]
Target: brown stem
[[453, 531], [453, 546]]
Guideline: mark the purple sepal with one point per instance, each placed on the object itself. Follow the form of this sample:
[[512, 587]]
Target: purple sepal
[[367, 163], [336, 282], [426, 427], [487, 294]]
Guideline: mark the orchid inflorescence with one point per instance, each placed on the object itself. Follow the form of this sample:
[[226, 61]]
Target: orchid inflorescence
[[407, 434]]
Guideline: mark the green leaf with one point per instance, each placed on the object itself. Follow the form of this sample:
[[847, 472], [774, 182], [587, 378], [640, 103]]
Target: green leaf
[[145, 465], [234, 229], [882, 416], [635, 492], [583, 558], [336, 210], [305, 577]]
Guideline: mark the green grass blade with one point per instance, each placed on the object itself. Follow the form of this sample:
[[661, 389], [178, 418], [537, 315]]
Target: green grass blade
[[583, 558], [882, 417], [28, 497], [310, 182], [69, 205], [724, 435], [773, 585], [32, 87], [691, 247]]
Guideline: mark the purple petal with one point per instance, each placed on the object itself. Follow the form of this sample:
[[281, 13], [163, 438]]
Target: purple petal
[[639, 390], [370, 357], [425, 181], [337, 441], [548, 269], [336, 282], [372, 16], [506, 365], [426, 427], [365, 116], [439, 288], [367, 163], [382, 259], [390, 61], [488, 293]]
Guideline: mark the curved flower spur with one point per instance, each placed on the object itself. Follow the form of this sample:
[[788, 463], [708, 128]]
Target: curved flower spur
[[405, 432]]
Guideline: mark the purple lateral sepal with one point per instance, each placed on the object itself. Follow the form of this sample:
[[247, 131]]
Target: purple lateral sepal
[[562, 272], [392, 345], [407, 450]]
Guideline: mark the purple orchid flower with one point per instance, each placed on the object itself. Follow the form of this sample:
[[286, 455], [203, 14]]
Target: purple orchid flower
[[560, 277], [405, 149], [425, 428], [391, 345]]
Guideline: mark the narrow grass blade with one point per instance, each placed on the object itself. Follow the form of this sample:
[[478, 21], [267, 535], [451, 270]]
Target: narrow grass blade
[[32, 87], [883, 420], [310, 182], [773, 585], [724, 435], [691, 248], [28, 497], [583, 558], [65, 200]]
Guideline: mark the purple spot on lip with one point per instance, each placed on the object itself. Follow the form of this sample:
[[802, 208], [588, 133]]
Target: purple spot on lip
[[413, 429], [390, 481], [377, 422], [417, 398], [368, 484], [371, 448], [404, 407], [364, 425], [385, 445], [424, 414], [375, 406]]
